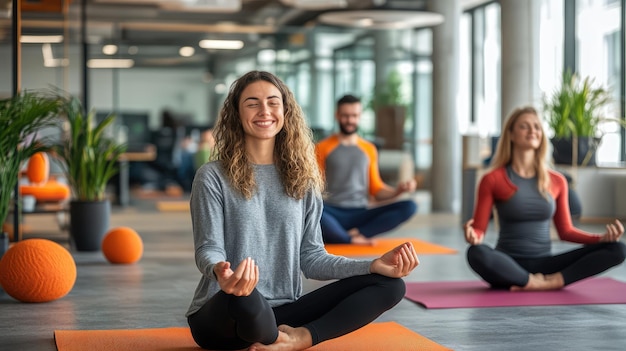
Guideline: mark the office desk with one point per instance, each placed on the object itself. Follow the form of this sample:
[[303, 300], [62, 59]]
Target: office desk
[[123, 187]]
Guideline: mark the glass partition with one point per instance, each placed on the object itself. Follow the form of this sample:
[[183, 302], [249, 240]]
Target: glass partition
[[598, 32]]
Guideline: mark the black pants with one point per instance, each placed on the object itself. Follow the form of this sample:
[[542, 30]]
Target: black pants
[[228, 322], [503, 271]]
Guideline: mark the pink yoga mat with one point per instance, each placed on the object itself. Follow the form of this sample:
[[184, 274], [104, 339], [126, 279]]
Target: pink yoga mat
[[474, 294]]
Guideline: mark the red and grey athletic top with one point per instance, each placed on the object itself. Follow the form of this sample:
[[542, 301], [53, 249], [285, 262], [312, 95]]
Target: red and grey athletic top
[[351, 171], [524, 214]]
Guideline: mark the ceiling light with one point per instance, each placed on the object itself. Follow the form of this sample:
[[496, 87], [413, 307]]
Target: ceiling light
[[133, 50], [315, 4], [41, 39], [364, 22], [266, 56], [283, 55], [221, 44], [110, 63], [109, 49], [202, 5], [186, 51], [382, 19]]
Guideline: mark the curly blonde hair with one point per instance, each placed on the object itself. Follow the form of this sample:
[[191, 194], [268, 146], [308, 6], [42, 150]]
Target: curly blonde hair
[[294, 151], [504, 150]]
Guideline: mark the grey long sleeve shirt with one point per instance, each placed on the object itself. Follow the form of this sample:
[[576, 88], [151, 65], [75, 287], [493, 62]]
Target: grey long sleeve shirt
[[280, 233]]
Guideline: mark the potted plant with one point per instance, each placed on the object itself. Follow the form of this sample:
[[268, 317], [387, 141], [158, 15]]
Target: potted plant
[[574, 112], [390, 107], [90, 160], [21, 116]]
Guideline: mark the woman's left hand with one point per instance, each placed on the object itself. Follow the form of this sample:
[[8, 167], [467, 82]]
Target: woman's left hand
[[613, 233], [396, 263]]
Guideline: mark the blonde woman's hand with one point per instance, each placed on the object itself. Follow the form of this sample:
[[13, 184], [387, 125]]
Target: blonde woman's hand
[[613, 232], [241, 281], [470, 235], [396, 263]]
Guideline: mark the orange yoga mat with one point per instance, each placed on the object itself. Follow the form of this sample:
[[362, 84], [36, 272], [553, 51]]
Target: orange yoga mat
[[173, 206], [372, 337], [385, 244]]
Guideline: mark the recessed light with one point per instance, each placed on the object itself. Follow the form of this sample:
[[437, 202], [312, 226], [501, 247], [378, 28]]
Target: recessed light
[[316, 4], [109, 49], [186, 51], [382, 19], [110, 63], [221, 44], [266, 56], [41, 39]]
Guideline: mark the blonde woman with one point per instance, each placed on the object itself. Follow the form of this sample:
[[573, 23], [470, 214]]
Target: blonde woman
[[256, 224], [527, 195]]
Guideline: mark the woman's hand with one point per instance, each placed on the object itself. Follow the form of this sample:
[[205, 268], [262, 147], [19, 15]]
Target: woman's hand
[[240, 282], [470, 235], [613, 233], [396, 263], [408, 186]]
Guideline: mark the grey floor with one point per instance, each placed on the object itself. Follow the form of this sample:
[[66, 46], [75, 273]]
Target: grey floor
[[156, 291]]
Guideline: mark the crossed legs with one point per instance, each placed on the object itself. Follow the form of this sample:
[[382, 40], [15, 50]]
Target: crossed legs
[[228, 322], [544, 273], [342, 225]]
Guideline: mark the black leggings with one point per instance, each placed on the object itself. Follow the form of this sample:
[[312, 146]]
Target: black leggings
[[503, 271], [228, 322]]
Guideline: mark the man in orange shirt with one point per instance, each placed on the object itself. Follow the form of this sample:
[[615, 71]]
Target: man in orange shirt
[[349, 165]]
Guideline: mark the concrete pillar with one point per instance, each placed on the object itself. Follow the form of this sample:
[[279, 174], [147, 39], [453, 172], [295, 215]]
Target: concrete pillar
[[520, 54], [383, 54], [446, 166]]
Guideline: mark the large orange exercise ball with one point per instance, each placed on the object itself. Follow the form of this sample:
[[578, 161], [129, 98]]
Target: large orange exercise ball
[[37, 270], [122, 245]]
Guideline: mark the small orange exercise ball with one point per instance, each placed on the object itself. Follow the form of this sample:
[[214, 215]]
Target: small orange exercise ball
[[37, 270], [122, 245]]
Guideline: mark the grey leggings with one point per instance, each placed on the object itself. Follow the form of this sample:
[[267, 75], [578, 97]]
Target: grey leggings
[[228, 322], [503, 271]]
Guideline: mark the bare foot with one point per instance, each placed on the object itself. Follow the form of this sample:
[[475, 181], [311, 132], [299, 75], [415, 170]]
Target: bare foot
[[362, 240], [289, 339], [538, 281], [359, 239]]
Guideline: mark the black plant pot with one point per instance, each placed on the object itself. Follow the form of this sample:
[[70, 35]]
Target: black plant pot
[[89, 222], [562, 150]]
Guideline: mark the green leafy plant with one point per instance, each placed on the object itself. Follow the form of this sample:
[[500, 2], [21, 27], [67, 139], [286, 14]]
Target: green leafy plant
[[576, 107], [574, 112], [90, 158], [20, 118], [388, 94]]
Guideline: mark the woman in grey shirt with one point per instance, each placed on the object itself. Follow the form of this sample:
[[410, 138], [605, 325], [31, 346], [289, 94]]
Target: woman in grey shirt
[[256, 224]]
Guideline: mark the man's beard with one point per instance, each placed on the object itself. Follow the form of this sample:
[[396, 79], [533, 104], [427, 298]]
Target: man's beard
[[344, 131]]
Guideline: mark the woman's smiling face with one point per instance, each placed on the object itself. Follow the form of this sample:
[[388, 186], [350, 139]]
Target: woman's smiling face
[[527, 132], [261, 110]]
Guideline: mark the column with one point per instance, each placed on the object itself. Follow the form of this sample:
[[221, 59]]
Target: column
[[446, 167], [520, 33]]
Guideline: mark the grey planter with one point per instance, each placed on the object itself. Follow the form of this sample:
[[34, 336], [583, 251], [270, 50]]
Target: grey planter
[[89, 222]]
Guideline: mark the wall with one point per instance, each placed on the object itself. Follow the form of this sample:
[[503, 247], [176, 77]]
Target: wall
[[136, 89], [598, 189]]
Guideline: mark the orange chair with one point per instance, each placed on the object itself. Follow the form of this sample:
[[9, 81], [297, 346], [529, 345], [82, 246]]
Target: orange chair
[[43, 188]]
